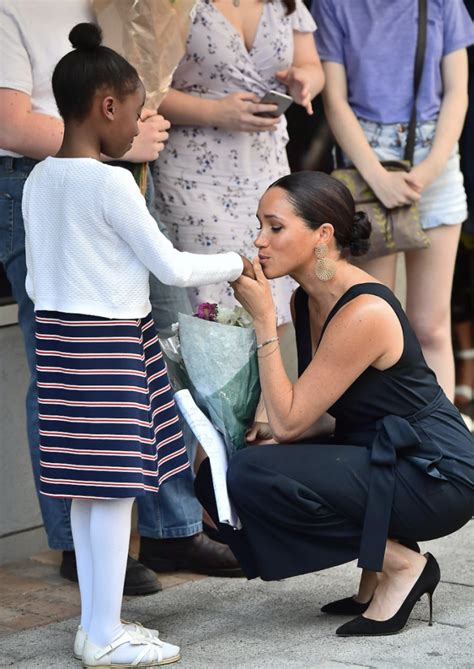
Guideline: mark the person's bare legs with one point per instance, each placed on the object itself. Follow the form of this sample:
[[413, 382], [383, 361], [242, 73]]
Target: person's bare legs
[[401, 569], [429, 284], [464, 336], [383, 269]]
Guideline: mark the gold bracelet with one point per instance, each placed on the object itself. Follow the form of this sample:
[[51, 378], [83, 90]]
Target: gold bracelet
[[270, 353], [267, 341]]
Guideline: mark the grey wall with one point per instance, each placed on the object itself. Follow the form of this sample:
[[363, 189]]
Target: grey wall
[[21, 530]]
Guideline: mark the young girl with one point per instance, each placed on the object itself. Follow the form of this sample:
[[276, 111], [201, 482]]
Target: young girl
[[109, 430]]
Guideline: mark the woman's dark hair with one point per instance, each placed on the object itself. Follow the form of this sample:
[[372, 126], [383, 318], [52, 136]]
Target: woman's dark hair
[[290, 6], [80, 73], [318, 198]]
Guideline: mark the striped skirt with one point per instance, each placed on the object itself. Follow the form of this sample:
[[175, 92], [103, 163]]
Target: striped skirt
[[107, 419]]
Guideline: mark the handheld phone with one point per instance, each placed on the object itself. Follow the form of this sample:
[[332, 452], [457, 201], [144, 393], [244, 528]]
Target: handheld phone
[[275, 98]]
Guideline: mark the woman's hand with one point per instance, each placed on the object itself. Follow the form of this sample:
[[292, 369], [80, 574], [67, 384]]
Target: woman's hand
[[237, 111], [298, 81], [259, 433], [395, 189], [151, 138], [248, 268], [423, 174], [255, 295]]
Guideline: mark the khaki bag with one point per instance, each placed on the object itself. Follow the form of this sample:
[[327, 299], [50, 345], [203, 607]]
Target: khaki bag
[[393, 230]]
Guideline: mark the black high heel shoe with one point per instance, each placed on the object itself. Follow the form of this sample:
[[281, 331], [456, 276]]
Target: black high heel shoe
[[348, 606], [345, 607], [426, 584]]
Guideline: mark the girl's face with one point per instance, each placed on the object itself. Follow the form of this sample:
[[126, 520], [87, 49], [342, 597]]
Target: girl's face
[[285, 243], [122, 122]]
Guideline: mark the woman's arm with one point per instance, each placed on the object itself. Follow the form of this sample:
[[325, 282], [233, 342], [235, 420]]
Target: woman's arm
[[454, 71], [366, 331], [305, 77], [392, 188], [324, 426], [260, 432], [186, 109]]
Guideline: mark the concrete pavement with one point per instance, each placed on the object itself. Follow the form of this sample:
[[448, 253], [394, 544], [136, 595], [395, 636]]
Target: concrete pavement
[[235, 624]]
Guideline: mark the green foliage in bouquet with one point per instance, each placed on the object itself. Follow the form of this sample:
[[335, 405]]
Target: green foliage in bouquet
[[213, 354], [221, 362]]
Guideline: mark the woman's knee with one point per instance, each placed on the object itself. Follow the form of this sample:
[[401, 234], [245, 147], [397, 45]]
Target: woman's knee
[[432, 332]]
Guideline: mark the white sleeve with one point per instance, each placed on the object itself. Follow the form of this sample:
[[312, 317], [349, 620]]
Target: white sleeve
[[15, 66], [126, 212], [29, 265], [301, 19]]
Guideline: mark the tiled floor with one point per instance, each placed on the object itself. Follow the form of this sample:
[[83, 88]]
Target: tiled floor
[[33, 594]]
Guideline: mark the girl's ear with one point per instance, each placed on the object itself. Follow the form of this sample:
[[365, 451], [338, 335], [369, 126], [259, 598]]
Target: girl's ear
[[108, 107]]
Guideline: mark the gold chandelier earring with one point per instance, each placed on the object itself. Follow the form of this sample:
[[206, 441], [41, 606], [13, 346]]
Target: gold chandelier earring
[[325, 267]]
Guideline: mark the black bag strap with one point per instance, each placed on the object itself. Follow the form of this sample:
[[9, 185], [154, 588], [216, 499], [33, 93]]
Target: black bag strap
[[419, 62]]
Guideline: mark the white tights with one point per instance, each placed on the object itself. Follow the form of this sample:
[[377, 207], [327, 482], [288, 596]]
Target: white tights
[[101, 532]]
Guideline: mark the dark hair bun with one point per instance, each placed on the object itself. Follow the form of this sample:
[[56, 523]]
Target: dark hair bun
[[85, 36], [361, 229]]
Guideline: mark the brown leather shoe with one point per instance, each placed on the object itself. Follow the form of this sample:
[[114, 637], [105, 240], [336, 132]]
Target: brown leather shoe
[[197, 553]]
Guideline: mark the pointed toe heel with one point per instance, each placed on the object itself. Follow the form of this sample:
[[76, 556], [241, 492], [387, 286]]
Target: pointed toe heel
[[426, 584], [345, 607]]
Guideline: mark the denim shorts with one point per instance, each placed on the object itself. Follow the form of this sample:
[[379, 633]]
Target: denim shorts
[[443, 202]]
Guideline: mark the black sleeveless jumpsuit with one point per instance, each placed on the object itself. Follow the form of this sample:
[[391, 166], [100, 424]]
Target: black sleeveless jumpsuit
[[400, 466]]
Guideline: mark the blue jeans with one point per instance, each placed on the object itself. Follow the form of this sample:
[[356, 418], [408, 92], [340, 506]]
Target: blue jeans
[[174, 512], [443, 202], [13, 173]]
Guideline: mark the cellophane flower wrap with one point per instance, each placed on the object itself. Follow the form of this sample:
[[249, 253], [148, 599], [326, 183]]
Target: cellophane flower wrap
[[214, 355]]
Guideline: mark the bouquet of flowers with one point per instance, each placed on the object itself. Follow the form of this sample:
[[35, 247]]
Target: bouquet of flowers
[[213, 353]]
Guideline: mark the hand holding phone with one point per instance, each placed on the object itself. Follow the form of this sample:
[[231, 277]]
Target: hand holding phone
[[239, 111], [281, 101]]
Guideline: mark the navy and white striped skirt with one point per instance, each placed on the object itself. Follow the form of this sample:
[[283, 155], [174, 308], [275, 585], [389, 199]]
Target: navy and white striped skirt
[[107, 419]]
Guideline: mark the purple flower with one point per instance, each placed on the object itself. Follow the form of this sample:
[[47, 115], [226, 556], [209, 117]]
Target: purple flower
[[207, 311]]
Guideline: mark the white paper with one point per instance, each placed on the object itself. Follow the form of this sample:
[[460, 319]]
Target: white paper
[[213, 443]]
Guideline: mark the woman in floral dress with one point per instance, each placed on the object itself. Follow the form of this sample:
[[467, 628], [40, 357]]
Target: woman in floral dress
[[221, 155]]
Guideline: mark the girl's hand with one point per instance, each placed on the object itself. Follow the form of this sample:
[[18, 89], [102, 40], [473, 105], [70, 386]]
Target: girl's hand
[[237, 112], [255, 295], [151, 138], [298, 82], [259, 433], [395, 189]]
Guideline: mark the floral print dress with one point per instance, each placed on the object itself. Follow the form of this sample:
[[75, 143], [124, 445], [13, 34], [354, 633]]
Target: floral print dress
[[208, 180]]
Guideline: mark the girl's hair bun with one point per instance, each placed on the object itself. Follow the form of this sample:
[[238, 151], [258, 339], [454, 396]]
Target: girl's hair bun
[[361, 229], [85, 36]]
